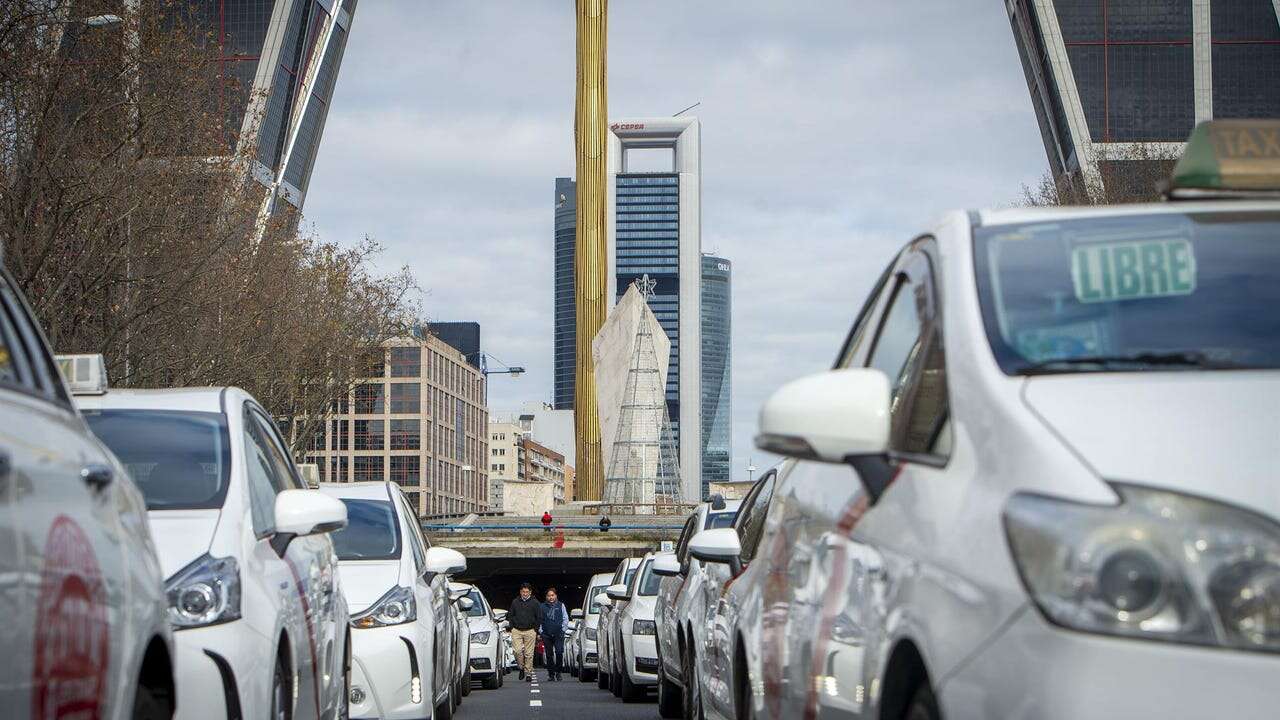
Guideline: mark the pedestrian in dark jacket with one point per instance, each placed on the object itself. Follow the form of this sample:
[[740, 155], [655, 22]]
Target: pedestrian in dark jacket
[[525, 617], [555, 625]]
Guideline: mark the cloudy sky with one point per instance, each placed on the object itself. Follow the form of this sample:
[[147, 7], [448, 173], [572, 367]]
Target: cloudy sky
[[832, 133]]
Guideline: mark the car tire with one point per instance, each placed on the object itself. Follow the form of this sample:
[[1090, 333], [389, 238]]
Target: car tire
[[615, 682], [151, 705], [924, 706], [281, 693], [444, 711], [466, 683], [670, 702], [627, 690], [692, 696], [602, 678], [493, 682]]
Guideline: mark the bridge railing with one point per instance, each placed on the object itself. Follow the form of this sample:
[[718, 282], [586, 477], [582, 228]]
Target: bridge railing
[[680, 509], [552, 528]]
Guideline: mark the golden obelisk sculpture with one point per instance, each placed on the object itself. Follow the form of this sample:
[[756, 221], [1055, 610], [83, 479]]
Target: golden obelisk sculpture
[[590, 266]]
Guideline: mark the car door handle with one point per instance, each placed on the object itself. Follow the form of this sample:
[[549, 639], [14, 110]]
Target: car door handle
[[97, 476]]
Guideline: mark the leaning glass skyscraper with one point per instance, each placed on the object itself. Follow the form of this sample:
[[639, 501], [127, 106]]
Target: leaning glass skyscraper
[[564, 352], [717, 415]]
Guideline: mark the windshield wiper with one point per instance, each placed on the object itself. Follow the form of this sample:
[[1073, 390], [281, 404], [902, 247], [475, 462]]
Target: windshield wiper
[[1179, 359]]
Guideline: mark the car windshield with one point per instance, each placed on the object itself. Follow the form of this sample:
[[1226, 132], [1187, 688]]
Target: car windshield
[[180, 460], [594, 608], [1136, 293], [478, 608], [720, 520], [372, 532], [649, 581]]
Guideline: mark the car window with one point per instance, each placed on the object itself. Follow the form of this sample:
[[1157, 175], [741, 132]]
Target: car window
[[478, 608], [682, 545], [372, 531], [417, 542], [594, 607], [752, 524], [649, 581], [15, 367], [42, 374], [180, 460], [910, 351], [263, 483], [856, 342], [720, 520], [280, 453]]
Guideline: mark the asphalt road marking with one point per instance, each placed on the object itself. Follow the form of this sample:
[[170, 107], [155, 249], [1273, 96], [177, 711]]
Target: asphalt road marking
[[535, 703]]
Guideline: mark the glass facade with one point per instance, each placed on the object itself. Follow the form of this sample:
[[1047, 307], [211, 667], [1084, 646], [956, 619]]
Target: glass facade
[[717, 415], [1133, 63], [647, 217], [564, 350]]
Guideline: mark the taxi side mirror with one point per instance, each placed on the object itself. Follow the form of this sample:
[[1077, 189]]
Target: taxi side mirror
[[443, 561], [666, 565], [305, 512], [718, 545], [828, 417], [603, 600], [575, 613], [618, 592], [466, 603]]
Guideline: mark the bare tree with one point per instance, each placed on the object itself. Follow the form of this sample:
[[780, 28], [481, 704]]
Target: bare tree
[[1135, 175]]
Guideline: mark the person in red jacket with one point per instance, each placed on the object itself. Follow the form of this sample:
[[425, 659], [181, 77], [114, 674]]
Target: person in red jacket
[[546, 520]]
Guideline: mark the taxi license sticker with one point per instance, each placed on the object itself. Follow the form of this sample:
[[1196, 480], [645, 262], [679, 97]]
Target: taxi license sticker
[[1132, 270]]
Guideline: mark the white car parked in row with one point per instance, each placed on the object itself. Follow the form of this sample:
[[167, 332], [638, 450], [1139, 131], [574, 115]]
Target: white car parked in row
[[397, 586], [633, 634], [252, 579], [684, 596], [1041, 480], [610, 607], [86, 629], [585, 639], [486, 640]]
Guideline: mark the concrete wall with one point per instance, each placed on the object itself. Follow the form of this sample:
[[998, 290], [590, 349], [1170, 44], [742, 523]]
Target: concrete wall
[[528, 498]]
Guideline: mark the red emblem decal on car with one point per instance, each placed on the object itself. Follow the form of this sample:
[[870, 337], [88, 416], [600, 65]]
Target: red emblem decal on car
[[72, 646]]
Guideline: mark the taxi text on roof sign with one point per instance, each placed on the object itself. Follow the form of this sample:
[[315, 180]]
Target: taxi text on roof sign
[[1230, 155]]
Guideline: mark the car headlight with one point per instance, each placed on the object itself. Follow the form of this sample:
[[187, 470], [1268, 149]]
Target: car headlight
[[591, 634], [1160, 565], [394, 608], [206, 592], [480, 638], [644, 627]]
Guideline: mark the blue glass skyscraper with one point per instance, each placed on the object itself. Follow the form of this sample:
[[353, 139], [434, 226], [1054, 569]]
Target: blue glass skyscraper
[[563, 349], [717, 415]]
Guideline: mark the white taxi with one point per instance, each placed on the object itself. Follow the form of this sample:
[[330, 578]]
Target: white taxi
[[585, 639], [397, 587], [485, 638], [633, 634], [613, 600], [1041, 480], [251, 577], [85, 623]]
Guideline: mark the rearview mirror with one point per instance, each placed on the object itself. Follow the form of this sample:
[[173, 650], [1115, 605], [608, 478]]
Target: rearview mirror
[[305, 512], [603, 600], [830, 417], [575, 613], [500, 614], [466, 603], [719, 545], [617, 592], [443, 561], [665, 565]]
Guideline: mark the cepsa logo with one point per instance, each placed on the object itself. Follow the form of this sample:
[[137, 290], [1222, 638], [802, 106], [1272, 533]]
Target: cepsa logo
[[626, 126], [71, 640]]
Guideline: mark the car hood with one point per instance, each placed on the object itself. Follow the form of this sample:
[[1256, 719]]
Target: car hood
[[480, 623], [364, 581], [642, 608], [181, 536], [1205, 433]]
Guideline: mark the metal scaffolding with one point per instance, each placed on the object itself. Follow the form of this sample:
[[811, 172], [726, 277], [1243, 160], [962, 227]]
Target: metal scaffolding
[[644, 467]]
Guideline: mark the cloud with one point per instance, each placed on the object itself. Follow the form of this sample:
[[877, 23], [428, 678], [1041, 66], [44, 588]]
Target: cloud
[[833, 132]]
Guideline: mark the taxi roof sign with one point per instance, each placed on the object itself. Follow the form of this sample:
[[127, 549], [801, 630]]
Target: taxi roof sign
[[1231, 158], [85, 374]]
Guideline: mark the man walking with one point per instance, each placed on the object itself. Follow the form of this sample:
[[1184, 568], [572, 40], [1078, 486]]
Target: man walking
[[555, 625], [525, 617]]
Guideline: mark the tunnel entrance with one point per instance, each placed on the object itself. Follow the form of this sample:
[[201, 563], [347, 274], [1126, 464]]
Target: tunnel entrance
[[500, 578]]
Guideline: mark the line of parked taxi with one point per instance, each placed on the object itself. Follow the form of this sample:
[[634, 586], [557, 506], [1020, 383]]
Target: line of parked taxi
[[1039, 482], [162, 556]]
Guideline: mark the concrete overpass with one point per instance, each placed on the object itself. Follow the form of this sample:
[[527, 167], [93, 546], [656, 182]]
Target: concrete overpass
[[504, 551]]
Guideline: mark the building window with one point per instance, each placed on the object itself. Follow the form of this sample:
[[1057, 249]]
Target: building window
[[370, 399], [406, 435], [367, 467], [405, 469], [406, 398], [341, 430], [369, 435], [341, 406], [317, 438], [376, 364], [340, 465], [414, 501], [406, 362]]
